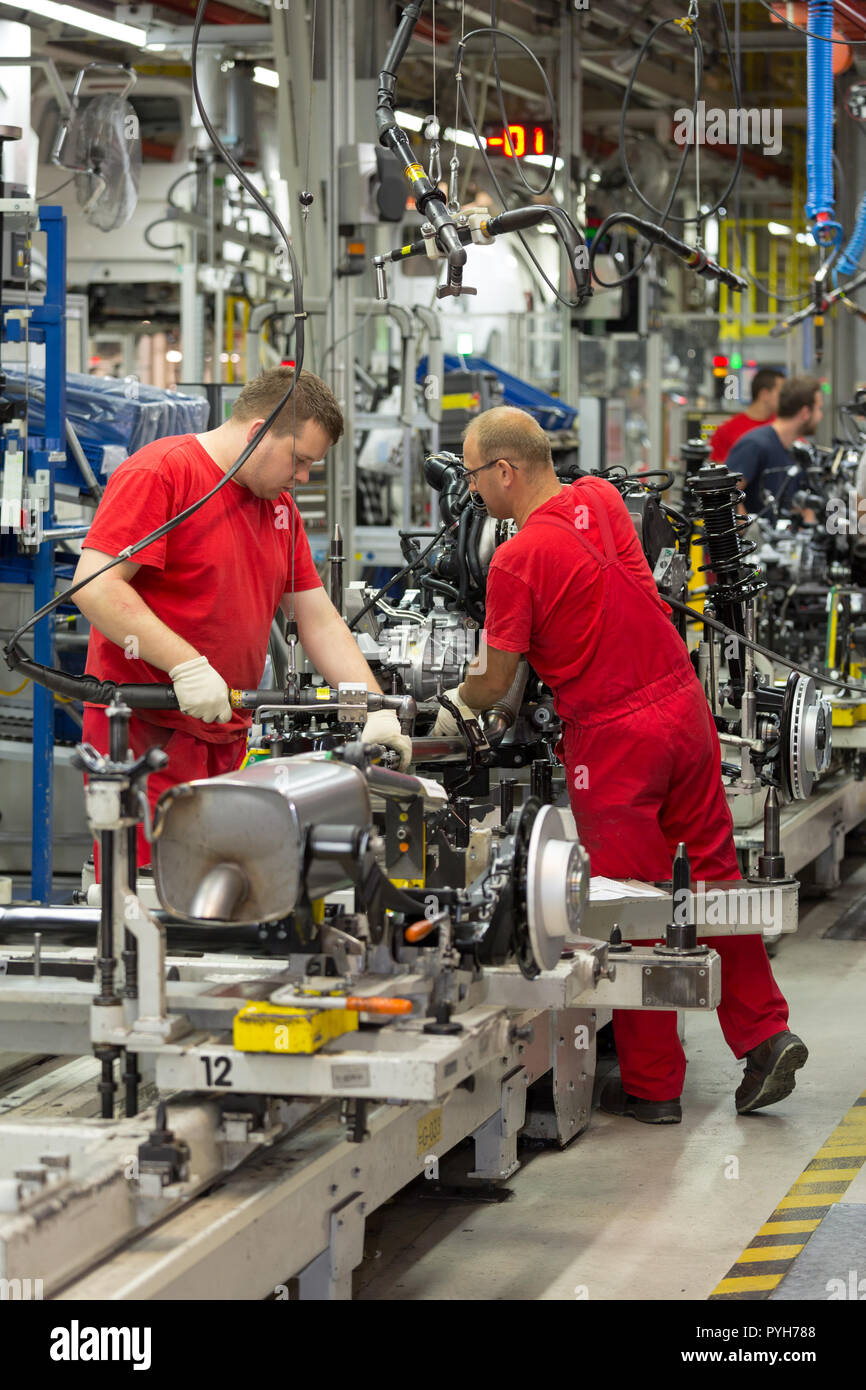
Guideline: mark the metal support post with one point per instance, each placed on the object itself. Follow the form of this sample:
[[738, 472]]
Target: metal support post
[[496, 1139], [329, 1275]]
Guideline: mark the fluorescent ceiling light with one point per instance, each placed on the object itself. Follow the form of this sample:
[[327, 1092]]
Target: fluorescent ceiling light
[[544, 161], [462, 137], [266, 77], [408, 121], [84, 19], [778, 229]]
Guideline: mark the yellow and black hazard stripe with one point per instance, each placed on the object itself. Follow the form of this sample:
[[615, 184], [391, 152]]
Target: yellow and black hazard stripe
[[824, 1181]]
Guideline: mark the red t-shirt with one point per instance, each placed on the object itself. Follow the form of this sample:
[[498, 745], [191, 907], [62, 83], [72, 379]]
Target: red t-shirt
[[726, 435], [544, 591], [216, 579]]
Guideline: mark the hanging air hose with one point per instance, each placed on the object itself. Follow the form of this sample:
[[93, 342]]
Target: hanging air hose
[[849, 259], [820, 202]]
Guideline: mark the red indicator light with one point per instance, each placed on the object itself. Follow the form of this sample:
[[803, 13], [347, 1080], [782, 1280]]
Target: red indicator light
[[720, 361]]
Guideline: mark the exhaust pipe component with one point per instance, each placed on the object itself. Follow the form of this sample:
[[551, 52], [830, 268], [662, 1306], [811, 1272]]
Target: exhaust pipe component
[[234, 849], [497, 720]]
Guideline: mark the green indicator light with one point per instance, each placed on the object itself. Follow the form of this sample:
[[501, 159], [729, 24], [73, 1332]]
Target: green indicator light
[[736, 362]]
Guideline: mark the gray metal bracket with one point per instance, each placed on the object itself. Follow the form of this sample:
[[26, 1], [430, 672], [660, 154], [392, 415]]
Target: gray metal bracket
[[329, 1275]]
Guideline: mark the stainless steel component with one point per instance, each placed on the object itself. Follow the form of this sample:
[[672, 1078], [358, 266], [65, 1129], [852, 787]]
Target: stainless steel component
[[220, 892], [810, 739], [499, 718], [749, 705], [353, 702], [557, 886], [256, 821], [431, 655], [719, 909]]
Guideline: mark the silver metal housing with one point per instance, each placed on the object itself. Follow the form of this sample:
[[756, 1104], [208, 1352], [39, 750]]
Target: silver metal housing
[[252, 824]]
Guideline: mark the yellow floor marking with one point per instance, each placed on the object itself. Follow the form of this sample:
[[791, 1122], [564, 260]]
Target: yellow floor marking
[[792, 1227], [820, 1199], [828, 1175], [742, 1283], [846, 1141], [752, 1254]]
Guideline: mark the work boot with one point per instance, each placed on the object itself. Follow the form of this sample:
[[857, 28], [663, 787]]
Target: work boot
[[615, 1100], [769, 1074]]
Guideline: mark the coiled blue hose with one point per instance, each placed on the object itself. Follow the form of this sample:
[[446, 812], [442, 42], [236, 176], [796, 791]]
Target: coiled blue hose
[[849, 260], [819, 131]]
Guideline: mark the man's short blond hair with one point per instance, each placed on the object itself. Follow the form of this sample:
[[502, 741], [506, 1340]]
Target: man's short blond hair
[[310, 400], [508, 433]]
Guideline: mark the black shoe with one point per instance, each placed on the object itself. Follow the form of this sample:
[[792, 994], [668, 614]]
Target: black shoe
[[769, 1074], [616, 1101]]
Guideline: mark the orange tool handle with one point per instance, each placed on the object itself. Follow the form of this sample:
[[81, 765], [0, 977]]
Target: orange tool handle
[[418, 930], [372, 1004]]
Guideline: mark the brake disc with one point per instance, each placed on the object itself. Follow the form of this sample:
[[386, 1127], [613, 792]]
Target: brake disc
[[806, 736], [551, 881]]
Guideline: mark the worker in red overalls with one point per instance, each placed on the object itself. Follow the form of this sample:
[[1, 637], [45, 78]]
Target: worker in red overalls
[[195, 608], [572, 592]]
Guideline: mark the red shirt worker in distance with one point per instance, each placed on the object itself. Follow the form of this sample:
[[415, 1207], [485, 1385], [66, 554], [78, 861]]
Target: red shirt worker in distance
[[195, 608], [573, 592]]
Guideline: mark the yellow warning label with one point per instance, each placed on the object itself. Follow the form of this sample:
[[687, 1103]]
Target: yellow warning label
[[323, 692], [414, 172]]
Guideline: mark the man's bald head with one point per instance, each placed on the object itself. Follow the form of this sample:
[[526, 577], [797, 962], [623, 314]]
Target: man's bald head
[[509, 433]]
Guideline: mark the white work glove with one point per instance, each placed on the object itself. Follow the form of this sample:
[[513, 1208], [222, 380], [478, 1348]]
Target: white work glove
[[201, 691], [384, 727], [446, 724]]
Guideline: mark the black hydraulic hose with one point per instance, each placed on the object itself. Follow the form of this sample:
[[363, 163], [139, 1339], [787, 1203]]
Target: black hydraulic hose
[[820, 676], [401, 574], [693, 256], [462, 565], [476, 523], [90, 688], [429, 198], [520, 219], [439, 586]]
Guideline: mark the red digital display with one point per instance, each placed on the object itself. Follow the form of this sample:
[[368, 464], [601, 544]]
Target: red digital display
[[518, 140]]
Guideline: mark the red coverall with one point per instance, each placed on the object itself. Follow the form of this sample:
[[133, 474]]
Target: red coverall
[[639, 746], [216, 580]]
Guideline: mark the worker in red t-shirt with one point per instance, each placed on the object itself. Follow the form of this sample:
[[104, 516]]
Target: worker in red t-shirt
[[195, 608], [573, 592], [765, 403]]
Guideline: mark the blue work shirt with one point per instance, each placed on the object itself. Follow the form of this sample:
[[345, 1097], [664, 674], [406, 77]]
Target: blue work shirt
[[762, 459]]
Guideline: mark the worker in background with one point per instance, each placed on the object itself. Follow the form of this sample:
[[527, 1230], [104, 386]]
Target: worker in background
[[573, 592], [763, 459], [765, 403], [195, 608]]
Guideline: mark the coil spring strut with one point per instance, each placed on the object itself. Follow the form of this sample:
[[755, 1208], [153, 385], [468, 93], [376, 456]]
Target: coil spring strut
[[715, 491]]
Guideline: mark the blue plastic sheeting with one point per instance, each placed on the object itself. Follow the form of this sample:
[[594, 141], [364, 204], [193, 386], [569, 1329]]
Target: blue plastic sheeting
[[550, 412], [113, 418]]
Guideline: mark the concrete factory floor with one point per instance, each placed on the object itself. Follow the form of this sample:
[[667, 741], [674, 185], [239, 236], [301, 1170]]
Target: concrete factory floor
[[632, 1211]]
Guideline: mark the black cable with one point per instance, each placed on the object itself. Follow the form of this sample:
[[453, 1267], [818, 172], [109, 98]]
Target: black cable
[[10, 648], [566, 303], [172, 246], [401, 574], [535, 192], [665, 213], [842, 43], [762, 651], [41, 197]]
